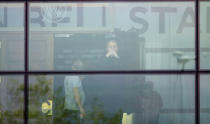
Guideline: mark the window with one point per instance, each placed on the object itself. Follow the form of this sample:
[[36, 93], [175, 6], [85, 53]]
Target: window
[[130, 62]]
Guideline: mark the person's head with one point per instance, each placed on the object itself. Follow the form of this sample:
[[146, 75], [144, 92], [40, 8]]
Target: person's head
[[77, 65], [112, 46]]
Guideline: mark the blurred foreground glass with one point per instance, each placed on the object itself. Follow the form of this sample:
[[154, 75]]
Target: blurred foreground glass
[[204, 98], [205, 35], [112, 35], [123, 99], [11, 36], [11, 99]]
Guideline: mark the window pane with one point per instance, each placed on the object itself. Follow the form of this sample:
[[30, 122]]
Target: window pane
[[132, 99], [11, 99], [204, 98], [112, 35], [11, 36], [205, 35]]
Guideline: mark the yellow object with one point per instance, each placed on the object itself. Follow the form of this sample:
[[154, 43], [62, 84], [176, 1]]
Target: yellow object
[[47, 107], [127, 118]]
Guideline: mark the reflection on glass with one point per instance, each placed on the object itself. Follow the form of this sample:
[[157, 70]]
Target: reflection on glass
[[204, 35], [11, 36], [204, 98], [11, 99], [148, 35], [112, 99]]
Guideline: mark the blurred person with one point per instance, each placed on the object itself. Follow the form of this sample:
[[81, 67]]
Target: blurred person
[[74, 96], [151, 104], [112, 59], [111, 94], [112, 49]]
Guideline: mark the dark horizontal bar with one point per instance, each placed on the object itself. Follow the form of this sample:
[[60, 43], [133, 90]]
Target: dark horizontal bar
[[112, 72], [110, 0], [11, 1], [204, 71], [98, 0], [12, 72], [103, 72], [109, 72]]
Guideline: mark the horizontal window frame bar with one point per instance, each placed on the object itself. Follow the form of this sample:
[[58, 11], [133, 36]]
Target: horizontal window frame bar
[[106, 72], [58, 1]]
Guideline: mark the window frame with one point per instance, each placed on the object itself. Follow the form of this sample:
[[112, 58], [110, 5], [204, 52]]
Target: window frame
[[26, 72]]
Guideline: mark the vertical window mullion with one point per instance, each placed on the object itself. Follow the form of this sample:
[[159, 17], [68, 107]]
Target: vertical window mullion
[[26, 32], [197, 60]]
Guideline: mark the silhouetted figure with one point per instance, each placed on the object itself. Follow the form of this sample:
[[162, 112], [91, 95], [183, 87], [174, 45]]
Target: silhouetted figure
[[151, 104]]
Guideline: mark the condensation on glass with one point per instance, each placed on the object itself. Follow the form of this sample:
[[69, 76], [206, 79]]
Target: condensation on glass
[[11, 99], [112, 35], [124, 99], [204, 35], [11, 36]]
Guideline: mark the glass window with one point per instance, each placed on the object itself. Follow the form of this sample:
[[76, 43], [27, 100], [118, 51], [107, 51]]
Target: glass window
[[130, 99], [204, 98], [112, 35], [205, 35], [11, 99], [11, 36], [136, 36]]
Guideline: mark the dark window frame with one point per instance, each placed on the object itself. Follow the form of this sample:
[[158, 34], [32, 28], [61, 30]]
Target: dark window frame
[[26, 72]]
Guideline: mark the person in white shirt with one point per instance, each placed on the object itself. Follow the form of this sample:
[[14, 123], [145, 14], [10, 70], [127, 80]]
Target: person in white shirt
[[74, 95]]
